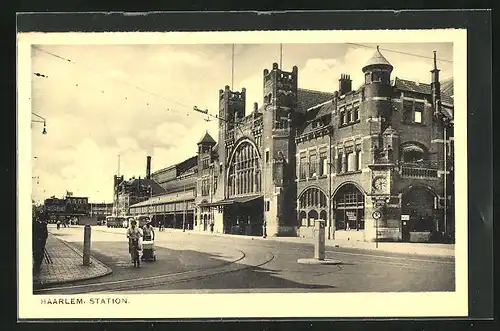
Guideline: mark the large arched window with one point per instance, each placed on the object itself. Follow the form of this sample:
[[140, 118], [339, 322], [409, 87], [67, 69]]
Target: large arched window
[[349, 204], [244, 175], [413, 153], [312, 198], [311, 201]]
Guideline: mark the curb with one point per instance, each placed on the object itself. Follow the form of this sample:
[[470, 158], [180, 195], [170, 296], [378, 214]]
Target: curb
[[329, 245], [449, 254], [41, 285]]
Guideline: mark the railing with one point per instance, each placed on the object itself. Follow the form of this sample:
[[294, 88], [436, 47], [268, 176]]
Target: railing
[[414, 171]]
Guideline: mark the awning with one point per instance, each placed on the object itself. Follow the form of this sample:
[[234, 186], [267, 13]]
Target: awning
[[231, 201], [412, 148]]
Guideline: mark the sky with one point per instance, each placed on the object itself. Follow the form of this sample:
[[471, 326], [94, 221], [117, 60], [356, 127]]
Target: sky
[[137, 100]]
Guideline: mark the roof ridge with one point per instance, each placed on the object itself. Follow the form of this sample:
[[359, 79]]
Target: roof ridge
[[309, 90]]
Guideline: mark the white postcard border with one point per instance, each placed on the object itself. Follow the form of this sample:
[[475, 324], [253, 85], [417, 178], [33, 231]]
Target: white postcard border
[[430, 304]]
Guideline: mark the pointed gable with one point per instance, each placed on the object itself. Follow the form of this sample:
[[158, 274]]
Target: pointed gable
[[207, 140]]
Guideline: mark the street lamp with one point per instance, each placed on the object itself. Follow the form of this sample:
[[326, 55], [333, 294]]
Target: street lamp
[[43, 120]]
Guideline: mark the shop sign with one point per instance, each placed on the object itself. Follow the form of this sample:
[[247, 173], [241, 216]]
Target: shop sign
[[351, 216]]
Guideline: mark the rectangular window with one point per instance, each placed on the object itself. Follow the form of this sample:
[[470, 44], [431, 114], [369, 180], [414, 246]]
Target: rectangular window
[[340, 156], [367, 78], [356, 113], [351, 161], [349, 117], [268, 205], [267, 156], [342, 118], [417, 117], [313, 164], [358, 160], [418, 111], [407, 111], [303, 166], [323, 163]]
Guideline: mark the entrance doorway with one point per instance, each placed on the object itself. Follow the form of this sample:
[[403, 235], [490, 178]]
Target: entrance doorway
[[349, 204], [419, 204]]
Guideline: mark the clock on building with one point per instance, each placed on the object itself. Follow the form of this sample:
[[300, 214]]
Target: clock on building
[[380, 183]]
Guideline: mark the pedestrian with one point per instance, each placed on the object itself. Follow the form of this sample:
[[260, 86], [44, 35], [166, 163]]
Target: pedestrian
[[58, 224], [134, 234], [212, 227], [148, 232], [264, 229], [40, 235]]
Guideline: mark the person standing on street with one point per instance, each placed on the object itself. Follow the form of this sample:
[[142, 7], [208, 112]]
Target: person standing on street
[[148, 232], [134, 235], [40, 234]]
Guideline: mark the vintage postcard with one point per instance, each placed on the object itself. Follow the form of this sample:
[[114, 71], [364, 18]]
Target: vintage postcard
[[279, 174]]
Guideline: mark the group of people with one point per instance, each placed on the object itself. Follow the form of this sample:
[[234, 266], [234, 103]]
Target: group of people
[[40, 234], [134, 235]]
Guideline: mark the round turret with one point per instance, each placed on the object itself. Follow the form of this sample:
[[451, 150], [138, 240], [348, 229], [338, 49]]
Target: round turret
[[377, 61]]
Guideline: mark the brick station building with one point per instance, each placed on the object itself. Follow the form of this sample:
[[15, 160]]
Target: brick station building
[[375, 163]]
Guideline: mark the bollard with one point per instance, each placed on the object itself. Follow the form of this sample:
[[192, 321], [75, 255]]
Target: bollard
[[86, 245], [319, 244]]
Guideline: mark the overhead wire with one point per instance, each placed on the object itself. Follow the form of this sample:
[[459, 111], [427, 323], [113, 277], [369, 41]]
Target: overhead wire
[[403, 53], [126, 82]]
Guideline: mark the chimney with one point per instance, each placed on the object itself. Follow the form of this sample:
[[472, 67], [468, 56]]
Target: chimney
[[148, 167], [255, 107], [345, 84]]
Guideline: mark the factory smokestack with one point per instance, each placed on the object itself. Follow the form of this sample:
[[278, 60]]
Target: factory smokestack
[[148, 167]]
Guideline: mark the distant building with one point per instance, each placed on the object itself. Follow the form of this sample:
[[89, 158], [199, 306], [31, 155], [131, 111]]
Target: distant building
[[375, 163], [134, 190], [175, 207], [69, 206], [101, 209]]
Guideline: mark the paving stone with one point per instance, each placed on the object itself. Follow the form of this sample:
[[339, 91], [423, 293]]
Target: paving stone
[[67, 265]]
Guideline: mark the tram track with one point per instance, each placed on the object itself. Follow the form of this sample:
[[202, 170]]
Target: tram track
[[159, 280]]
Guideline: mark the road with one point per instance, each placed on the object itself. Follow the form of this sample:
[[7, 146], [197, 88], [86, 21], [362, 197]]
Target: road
[[195, 263]]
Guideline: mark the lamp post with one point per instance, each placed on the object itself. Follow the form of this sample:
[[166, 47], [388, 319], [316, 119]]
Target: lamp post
[[150, 207], [41, 120]]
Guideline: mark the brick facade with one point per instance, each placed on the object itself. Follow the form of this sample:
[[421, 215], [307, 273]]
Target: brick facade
[[306, 155]]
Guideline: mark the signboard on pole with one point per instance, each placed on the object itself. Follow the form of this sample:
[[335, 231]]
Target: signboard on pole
[[405, 217]]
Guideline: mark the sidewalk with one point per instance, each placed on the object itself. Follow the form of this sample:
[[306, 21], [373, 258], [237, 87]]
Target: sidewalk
[[430, 249], [63, 263]]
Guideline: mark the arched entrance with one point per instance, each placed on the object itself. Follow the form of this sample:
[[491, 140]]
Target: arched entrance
[[244, 175], [311, 217], [244, 214], [349, 206], [420, 204], [310, 201]]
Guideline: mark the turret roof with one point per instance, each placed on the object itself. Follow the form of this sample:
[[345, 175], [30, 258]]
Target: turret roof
[[377, 59], [207, 140]]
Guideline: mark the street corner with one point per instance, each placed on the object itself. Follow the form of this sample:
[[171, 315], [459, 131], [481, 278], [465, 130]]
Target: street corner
[[64, 264]]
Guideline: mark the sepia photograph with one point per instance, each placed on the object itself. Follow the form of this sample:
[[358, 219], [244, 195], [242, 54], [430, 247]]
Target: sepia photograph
[[255, 167]]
